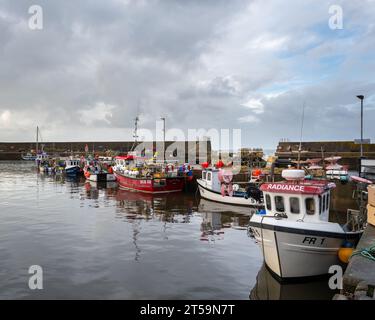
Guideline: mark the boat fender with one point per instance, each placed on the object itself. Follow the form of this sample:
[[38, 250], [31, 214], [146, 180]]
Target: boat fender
[[345, 252]]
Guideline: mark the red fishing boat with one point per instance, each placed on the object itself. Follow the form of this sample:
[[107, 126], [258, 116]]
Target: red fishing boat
[[148, 178]]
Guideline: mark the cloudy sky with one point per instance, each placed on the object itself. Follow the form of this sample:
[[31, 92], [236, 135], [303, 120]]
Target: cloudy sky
[[241, 64]]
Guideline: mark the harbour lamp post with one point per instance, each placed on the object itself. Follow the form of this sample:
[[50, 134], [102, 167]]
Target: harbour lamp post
[[163, 118], [361, 97]]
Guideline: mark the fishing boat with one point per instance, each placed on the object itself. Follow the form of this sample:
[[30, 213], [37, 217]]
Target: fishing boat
[[73, 167], [98, 171], [42, 156], [44, 163], [294, 232], [217, 185], [148, 178], [28, 157]]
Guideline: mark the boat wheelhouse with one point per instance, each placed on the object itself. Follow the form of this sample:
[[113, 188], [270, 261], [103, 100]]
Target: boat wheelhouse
[[294, 232], [217, 185], [40, 157]]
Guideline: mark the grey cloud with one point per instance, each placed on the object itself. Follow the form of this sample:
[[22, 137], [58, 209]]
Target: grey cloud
[[197, 62]]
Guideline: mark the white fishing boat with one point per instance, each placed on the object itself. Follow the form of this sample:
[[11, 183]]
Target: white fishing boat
[[294, 232], [217, 185], [43, 163], [28, 157], [97, 171]]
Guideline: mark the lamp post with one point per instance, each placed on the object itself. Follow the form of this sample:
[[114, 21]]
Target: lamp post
[[163, 118], [361, 97]]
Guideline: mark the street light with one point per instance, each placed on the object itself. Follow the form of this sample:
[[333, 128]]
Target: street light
[[361, 97], [163, 118]]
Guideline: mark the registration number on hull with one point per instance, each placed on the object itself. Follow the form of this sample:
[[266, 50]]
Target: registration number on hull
[[313, 240]]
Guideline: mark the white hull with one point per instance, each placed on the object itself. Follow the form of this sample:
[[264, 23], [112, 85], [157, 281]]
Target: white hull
[[104, 184], [215, 196], [28, 158], [109, 178], [298, 249]]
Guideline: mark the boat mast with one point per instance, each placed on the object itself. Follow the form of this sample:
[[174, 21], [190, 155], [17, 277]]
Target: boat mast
[[135, 134], [300, 140], [163, 118], [37, 139]]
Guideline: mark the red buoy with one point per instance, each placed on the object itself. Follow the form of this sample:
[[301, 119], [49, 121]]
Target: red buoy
[[219, 164], [205, 165]]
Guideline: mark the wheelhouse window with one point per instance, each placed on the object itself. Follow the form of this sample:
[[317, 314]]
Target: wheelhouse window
[[310, 206], [327, 201], [324, 203], [279, 204], [294, 205], [268, 202], [204, 175], [209, 176]]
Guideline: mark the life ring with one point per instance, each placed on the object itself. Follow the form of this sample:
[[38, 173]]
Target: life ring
[[293, 174]]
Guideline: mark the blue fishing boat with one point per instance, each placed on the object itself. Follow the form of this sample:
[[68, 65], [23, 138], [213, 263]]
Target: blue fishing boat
[[72, 167]]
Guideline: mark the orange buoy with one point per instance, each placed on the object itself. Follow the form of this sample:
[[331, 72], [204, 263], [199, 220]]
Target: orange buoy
[[345, 254], [257, 172]]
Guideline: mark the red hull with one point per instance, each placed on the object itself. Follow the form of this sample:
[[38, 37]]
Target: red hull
[[150, 185]]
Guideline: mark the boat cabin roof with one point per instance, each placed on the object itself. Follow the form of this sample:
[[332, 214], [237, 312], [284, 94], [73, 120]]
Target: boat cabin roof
[[128, 157], [312, 187]]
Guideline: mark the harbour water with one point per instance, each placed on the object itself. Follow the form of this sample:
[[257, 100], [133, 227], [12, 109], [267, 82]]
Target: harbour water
[[104, 243]]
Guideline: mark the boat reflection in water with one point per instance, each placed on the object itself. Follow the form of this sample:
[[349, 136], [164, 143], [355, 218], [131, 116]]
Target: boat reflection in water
[[269, 288], [216, 217], [164, 207], [216, 207]]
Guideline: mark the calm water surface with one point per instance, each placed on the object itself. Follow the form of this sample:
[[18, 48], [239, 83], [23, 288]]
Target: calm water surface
[[103, 243]]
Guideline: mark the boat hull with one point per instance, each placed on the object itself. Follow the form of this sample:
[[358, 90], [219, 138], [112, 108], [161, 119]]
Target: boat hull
[[150, 185], [28, 158], [73, 171], [296, 252], [217, 197], [101, 177]]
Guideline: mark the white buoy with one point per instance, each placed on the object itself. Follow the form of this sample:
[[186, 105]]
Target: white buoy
[[293, 174]]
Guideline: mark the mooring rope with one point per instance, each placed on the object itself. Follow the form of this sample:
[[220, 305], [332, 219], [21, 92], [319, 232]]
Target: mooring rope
[[368, 253]]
